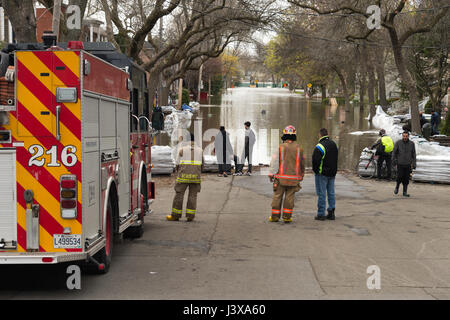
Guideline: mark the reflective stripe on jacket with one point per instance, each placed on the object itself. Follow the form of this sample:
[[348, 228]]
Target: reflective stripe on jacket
[[190, 160], [288, 165]]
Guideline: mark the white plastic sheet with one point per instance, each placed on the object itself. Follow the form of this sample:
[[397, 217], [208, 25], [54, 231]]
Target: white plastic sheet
[[162, 160]]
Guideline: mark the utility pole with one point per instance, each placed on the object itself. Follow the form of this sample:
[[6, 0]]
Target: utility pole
[[56, 18]]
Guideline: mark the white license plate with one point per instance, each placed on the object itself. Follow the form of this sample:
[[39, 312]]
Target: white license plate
[[67, 241]]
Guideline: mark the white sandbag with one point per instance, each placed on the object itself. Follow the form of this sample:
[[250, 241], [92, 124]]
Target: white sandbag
[[162, 160]]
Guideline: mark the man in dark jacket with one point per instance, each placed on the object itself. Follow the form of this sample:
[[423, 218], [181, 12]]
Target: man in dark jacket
[[435, 121], [324, 160], [404, 157]]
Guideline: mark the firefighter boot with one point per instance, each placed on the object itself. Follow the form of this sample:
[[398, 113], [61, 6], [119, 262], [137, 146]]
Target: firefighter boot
[[287, 215], [274, 219], [287, 220], [190, 216], [172, 218]]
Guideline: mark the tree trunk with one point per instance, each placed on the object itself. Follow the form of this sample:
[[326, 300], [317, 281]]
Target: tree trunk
[[152, 87], [379, 65], [344, 88], [164, 96], [407, 80], [323, 87], [352, 80], [371, 90], [22, 17], [362, 77]]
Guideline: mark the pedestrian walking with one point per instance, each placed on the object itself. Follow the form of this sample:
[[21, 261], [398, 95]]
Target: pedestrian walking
[[189, 167], [325, 161], [247, 152], [224, 152], [404, 157], [287, 169], [384, 146]]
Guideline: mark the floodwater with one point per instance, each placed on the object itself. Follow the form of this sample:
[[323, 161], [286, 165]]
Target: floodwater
[[270, 110]]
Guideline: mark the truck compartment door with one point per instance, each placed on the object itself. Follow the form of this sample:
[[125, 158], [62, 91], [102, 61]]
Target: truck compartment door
[[8, 199], [36, 102]]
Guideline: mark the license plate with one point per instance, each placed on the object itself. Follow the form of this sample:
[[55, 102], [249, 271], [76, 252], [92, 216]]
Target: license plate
[[67, 241]]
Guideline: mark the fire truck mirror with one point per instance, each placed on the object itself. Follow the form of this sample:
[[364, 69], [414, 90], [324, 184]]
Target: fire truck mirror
[[28, 195], [87, 67]]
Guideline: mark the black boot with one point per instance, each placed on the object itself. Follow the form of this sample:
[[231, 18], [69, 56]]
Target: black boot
[[396, 189], [405, 190], [330, 215]]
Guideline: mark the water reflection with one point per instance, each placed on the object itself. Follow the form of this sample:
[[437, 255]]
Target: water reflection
[[270, 110]]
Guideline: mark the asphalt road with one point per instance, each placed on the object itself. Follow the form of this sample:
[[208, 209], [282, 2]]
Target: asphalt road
[[232, 251]]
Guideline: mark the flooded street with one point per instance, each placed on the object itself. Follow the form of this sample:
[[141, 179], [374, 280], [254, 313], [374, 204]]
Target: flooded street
[[270, 110]]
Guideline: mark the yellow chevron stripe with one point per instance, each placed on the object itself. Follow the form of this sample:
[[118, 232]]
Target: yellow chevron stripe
[[71, 60], [22, 221], [34, 106], [27, 181], [35, 66], [56, 172]]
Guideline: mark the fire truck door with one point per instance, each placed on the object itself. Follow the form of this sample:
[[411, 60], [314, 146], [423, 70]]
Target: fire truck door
[[36, 108]]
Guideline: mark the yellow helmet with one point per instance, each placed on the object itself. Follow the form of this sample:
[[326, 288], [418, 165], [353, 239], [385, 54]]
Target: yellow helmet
[[289, 130]]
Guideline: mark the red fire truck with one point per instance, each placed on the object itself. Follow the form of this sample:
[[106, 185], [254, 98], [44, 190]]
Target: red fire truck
[[75, 152]]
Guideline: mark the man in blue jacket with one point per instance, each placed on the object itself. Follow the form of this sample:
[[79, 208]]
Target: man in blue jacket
[[324, 160]]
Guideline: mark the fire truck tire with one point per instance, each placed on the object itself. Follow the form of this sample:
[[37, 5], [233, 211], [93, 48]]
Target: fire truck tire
[[105, 254], [138, 231]]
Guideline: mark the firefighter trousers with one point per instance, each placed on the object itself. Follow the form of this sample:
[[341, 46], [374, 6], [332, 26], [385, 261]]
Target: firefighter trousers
[[191, 207], [288, 203]]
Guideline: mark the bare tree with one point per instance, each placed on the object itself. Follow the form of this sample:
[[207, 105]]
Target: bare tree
[[399, 31], [22, 17]]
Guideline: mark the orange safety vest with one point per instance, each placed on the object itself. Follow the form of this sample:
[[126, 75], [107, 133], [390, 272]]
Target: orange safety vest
[[292, 167]]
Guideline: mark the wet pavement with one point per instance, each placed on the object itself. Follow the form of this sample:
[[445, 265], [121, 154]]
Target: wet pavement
[[232, 251]]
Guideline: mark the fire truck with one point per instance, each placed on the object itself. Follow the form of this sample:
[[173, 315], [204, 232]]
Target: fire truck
[[75, 152]]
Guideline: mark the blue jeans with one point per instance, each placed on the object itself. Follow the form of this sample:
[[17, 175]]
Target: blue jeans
[[324, 186]]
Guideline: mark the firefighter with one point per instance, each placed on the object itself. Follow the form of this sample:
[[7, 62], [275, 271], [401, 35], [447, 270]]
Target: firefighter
[[189, 167], [287, 169]]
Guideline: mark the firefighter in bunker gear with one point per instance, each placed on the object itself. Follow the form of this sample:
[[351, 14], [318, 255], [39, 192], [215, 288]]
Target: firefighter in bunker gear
[[287, 169], [189, 167]]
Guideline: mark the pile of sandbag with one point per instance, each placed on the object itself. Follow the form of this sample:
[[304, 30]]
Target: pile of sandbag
[[162, 160], [210, 164], [432, 169], [168, 109]]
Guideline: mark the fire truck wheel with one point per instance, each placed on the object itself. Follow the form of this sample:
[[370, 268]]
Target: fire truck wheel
[[138, 231], [104, 255]]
